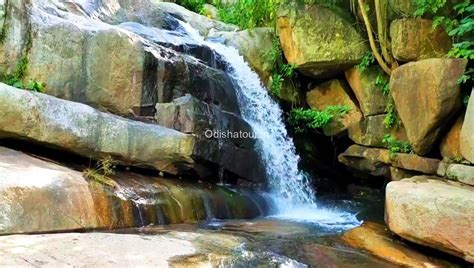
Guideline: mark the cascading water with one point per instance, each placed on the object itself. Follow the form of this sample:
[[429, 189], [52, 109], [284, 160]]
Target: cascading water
[[291, 192]]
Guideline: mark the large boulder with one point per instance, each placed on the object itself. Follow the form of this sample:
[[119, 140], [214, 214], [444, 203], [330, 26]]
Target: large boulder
[[432, 212], [332, 93], [306, 42], [85, 131], [40, 196], [429, 90], [67, 51], [253, 44], [450, 147], [467, 132], [371, 99], [415, 39], [370, 131]]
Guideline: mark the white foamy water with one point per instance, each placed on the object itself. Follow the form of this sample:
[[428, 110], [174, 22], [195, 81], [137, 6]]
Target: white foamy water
[[290, 191]]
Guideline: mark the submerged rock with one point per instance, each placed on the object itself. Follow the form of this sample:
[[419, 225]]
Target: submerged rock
[[434, 213], [429, 90], [415, 39], [376, 239], [332, 93], [40, 196], [306, 42]]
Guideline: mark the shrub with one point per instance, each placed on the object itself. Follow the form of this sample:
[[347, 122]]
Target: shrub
[[395, 146], [303, 119]]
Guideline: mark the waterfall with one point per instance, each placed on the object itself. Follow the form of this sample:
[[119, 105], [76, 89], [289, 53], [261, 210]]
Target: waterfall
[[290, 189]]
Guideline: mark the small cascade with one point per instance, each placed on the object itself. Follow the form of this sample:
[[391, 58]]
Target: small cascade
[[291, 192]]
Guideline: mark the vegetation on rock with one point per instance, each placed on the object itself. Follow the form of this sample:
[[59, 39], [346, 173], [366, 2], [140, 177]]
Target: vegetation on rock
[[15, 79], [395, 146], [102, 172], [303, 119]]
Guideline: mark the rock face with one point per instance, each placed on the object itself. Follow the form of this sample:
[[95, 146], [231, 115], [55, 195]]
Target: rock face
[[374, 238], [252, 44], [377, 161], [449, 147], [306, 42], [369, 95], [85, 131], [429, 90], [467, 132], [370, 131], [434, 213], [39, 196], [190, 115], [415, 39], [334, 92]]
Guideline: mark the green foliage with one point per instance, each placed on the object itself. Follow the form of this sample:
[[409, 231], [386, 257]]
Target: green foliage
[[383, 84], [465, 100], [391, 120], [428, 6], [395, 146], [15, 79], [460, 28], [102, 172], [366, 61], [303, 119], [248, 14], [193, 5]]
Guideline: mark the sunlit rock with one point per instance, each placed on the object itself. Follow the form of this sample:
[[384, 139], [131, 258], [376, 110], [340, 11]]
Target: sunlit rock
[[429, 90], [432, 212]]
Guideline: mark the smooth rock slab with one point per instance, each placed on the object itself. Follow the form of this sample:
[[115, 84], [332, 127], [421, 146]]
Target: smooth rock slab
[[433, 212], [429, 90], [450, 145], [114, 250], [83, 130]]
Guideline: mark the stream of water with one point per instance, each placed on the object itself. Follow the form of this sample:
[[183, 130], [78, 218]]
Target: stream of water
[[290, 191]]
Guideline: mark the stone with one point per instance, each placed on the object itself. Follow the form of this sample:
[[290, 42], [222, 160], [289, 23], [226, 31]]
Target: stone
[[334, 92], [415, 39], [145, 64], [466, 140], [37, 195], [176, 249], [449, 147], [192, 116], [376, 161], [371, 99], [376, 239], [202, 23], [80, 129], [252, 44], [429, 90], [398, 174], [370, 131], [305, 42], [457, 172], [432, 212]]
